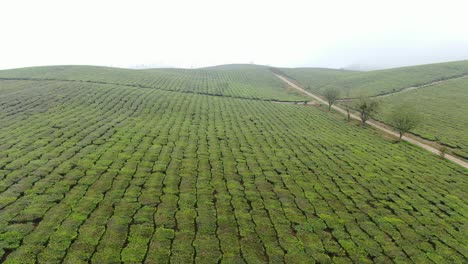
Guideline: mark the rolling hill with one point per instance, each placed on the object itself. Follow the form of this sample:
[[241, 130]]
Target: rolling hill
[[254, 82], [372, 83], [441, 98], [103, 165], [444, 112]]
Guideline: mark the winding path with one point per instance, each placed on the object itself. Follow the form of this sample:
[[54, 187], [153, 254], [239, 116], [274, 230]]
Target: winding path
[[374, 124]]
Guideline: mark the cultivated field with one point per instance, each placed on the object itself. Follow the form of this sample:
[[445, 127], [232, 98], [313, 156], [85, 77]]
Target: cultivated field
[[244, 81], [444, 109], [442, 104], [355, 84], [182, 169], [316, 79]]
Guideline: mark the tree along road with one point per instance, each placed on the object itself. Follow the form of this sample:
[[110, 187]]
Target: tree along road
[[375, 125]]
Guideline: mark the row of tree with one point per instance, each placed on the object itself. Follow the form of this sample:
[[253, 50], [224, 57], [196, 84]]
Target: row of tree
[[403, 119]]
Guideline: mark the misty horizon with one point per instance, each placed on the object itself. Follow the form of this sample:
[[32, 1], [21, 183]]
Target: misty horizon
[[358, 35], [351, 67]]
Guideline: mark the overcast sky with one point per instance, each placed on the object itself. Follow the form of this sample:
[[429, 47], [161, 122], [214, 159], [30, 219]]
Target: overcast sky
[[291, 33]]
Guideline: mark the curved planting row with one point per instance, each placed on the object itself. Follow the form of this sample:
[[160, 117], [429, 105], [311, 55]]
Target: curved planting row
[[443, 110], [379, 82], [103, 174], [251, 82]]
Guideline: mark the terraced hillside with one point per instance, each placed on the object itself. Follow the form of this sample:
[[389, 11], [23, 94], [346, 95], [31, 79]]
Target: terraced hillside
[[245, 81], [444, 110], [442, 104], [107, 173], [355, 84]]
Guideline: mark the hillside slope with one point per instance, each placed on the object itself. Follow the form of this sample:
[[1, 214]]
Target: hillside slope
[[106, 173], [254, 82], [316, 79], [355, 84], [442, 104], [444, 110]]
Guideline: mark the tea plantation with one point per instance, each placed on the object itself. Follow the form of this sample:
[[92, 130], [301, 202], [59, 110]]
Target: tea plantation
[[444, 109], [442, 106], [245, 81], [371, 83], [102, 165]]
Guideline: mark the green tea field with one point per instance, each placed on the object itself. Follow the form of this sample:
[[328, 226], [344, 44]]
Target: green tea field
[[104, 165], [371, 83], [444, 112], [439, 94], [245, 81]]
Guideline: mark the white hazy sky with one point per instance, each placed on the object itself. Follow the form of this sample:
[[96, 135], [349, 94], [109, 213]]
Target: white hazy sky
[[176, 33]]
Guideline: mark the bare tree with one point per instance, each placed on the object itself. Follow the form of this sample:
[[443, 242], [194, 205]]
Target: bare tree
[[404, 119], [347, 106], [366, 108], [348, 110], [332, 95]]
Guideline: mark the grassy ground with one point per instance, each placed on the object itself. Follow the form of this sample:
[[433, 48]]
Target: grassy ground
[[106, 173], [355, 84], [444, 110]]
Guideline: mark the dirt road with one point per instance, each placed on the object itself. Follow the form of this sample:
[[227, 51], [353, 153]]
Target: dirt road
[[374, 124]]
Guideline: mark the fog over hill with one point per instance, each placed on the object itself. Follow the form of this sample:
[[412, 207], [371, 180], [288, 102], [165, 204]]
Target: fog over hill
[[192, 34]]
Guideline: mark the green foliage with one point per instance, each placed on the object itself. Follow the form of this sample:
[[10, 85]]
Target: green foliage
[[355, 84], [442, 108], [404, 119], [331, 94], [443, 150], [238, 81], [108, 174], [366, 108]]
